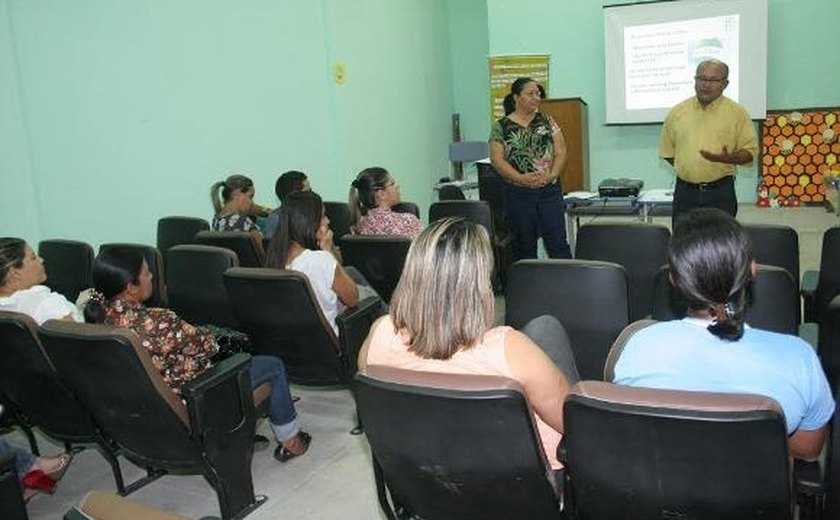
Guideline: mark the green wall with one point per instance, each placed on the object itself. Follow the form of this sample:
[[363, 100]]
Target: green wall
[[802, 72], [118, 112], [469, 46]]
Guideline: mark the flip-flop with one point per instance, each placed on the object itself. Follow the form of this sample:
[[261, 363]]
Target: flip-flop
[[63, 464]]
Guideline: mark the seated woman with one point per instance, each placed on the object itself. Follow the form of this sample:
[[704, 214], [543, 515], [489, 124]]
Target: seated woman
[[233, 202], [304, 242], [180, 351], [711, 263], [36, 473], [441, 320], [372, 195], [21, 275]]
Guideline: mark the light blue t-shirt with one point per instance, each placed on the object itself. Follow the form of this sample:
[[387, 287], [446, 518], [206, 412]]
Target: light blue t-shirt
[[683, 355]]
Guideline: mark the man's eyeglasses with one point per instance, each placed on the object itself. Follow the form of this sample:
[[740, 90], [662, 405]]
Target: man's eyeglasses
[[704, 79]]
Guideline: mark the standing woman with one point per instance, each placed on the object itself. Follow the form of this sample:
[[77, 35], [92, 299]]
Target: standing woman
[[233, 203], [528, 150]]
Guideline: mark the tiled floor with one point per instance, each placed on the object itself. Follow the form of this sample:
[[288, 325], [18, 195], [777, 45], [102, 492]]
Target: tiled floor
[[334, 479]]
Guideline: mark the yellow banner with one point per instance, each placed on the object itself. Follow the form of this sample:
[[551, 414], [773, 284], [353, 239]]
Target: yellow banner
[[503, 72]]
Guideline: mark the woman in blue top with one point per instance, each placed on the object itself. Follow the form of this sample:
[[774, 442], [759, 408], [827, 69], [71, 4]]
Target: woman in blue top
[[711, 264]]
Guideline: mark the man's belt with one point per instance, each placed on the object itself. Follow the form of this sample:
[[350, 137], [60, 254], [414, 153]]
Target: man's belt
[[706, 186]]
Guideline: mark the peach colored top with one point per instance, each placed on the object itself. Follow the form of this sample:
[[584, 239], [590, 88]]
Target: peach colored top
[[387, 348]]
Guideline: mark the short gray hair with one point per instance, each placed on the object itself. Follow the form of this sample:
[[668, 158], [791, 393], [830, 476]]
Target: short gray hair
[[711, 61], [444, 299]]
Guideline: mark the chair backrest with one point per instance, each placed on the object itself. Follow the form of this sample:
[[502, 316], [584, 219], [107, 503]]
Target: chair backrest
[[175, 231], [114, 378], [406, 207], [155, 262], [673, 454], [477, 211], [773, 300], [829, 280], [379, 258], [455, 446], [588, 297], [490, 190], [642, 249], [195, 285], [30, 383], [279, 311], [776, 245], [340, 220], [68, 264], [248, 248], [450, 192]]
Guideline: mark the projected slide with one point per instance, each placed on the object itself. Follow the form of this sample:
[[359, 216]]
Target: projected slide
[[652, 49], [660, 59]]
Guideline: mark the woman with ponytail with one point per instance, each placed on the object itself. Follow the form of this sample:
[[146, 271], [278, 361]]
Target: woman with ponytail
[[372, 195], [233, 205], [182, 352], [711, 265]]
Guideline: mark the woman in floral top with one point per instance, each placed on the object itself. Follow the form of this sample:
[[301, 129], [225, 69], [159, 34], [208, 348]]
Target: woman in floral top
[[528, 150], [372, 195], [233, 202], [180, 351]]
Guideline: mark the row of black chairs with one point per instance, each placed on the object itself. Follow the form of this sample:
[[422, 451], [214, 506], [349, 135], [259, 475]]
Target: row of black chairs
[[631, 453]]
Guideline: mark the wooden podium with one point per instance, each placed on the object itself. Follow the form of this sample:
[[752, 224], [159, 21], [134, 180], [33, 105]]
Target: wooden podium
[[570, 114]]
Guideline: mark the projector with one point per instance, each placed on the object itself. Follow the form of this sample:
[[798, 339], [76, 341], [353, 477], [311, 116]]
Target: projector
[[620, 187]]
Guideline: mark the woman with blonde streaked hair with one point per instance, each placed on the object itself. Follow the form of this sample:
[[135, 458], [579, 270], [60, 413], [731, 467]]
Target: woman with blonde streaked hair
[[442, 320]]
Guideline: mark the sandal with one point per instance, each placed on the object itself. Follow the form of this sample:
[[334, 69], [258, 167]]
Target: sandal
[[283, 454], [37, 480], [63, 464]]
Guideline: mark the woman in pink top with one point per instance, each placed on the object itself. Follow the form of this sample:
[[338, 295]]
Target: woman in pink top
[[372, 195], [441, 320]]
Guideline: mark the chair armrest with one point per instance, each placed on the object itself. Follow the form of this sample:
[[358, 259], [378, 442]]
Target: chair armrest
[[809, 488], [810, 332], [353, 327], [808, 290], [217, 399]]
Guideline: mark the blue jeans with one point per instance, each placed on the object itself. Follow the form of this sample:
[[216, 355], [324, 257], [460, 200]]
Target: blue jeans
[[532, 213], [281, 411], [23, 459]]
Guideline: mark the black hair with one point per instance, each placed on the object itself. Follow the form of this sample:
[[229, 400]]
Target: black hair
[[227, 187], [113, 270], [509, 103], [300, 218], [363, 190], [290, 181], [710, 259], [12, 253]]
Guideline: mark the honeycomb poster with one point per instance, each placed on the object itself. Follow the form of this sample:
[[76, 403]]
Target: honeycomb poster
[[799, 160]]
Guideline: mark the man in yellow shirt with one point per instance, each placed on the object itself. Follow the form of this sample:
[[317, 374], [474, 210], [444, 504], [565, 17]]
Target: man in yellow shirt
[[704, 138]]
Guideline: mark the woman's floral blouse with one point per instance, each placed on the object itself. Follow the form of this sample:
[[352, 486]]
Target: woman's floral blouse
[[528, 149]]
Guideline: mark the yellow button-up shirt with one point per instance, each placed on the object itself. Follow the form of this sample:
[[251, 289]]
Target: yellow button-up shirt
[[690, 127]]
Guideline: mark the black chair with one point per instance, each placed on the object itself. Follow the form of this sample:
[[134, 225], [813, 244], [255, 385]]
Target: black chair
[[406, 207], [820, 287], [777, 245], [380, 259], [588, 297], [478, 211], [490, 190], [12, 506], [453, 446], [247, 246], [68, 265], [450, 192], [280, 313], [38, 398], [155, 263], [642, 249], [772, 301], [175, 231], [210, 433], [340, 220], [639, 453], [195, 286]]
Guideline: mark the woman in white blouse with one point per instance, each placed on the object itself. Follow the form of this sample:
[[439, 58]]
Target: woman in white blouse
[[21, 275]]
